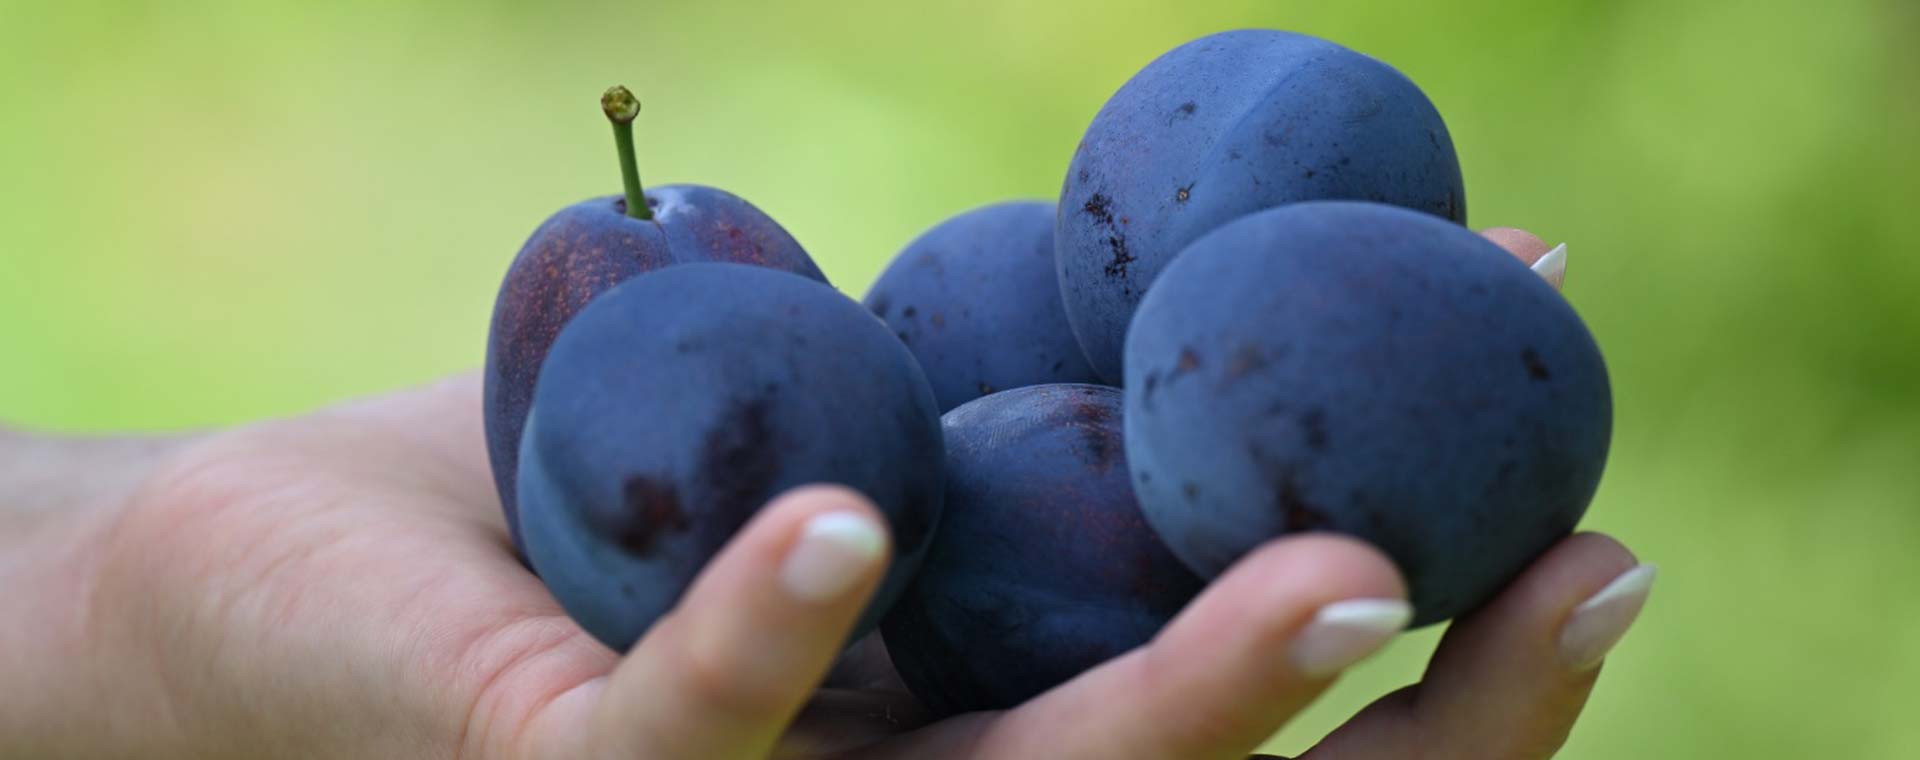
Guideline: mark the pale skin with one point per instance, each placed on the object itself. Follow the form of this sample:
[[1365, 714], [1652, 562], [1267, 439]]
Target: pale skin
[[341, 585]]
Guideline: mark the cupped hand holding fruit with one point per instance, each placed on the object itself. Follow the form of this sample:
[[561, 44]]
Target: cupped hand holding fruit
[[341, 585], [1169, 570]]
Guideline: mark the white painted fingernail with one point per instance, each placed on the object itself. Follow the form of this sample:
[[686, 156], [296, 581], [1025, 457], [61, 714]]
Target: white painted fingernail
[[1599, 622], [834, 550], [1344, 633], [1553, 266]]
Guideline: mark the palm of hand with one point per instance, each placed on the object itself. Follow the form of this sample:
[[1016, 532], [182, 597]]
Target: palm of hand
[[357, 559]]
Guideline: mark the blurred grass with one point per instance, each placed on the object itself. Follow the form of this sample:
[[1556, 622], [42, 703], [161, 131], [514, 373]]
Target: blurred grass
[[218, 213]]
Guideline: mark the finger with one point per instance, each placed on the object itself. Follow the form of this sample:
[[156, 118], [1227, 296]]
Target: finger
[[1549, 262], [1509, 680], [725, 672], [1258, 645], [1524, 245]]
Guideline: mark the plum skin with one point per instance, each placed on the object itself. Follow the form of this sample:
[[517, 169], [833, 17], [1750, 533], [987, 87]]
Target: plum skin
[[1043, 566], [1370, 370], [582, 251], [676, 405], [977, 301], [1221, 127]]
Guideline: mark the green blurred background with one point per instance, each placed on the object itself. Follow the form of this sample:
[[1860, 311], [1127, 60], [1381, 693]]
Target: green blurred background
[[214, 214]]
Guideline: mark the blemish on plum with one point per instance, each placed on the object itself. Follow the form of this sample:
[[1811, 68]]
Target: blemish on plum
[[909, 312], [880, 306], [1182, 194], [1100, 437], [1536, 368], [1101, 208], [1121, 257], [1189, 361], [1296, 511], [1190, 490], [650, 510], [1246, 360], [938, 319], [739, 461], [986, 390]]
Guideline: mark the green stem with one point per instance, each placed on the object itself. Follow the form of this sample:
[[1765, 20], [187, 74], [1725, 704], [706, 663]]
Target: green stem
[[621, 107]]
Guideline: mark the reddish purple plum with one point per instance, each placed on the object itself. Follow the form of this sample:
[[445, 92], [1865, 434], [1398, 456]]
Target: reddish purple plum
[[588, 248]]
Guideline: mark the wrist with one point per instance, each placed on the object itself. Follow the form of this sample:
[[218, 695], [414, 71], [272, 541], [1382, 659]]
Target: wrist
[[58, 498]]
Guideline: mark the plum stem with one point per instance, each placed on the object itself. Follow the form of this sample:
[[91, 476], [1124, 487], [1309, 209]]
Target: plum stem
[[621, 107]]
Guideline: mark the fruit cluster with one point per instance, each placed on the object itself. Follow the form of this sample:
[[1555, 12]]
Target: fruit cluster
[[1254, 311]]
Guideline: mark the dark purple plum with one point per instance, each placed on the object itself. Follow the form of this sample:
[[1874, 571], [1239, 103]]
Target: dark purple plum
[[674, 406], [1043, 566], [586, 249], [1362, 368], [976, 300], [1224, 126]]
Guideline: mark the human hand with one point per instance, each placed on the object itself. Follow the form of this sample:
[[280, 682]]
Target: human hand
[[341, 585]]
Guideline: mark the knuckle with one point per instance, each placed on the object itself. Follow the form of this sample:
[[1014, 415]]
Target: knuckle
[[1196, 730], [716, 683]]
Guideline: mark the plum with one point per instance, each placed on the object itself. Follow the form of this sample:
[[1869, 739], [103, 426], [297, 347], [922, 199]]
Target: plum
[[976, 300], [1221, 127], [586, 249], [1366, 369], [1043, 565], [674, 406]]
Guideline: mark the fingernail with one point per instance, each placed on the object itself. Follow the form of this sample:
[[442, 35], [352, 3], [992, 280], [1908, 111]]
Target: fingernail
[[834, 550], [1599, 622], [1553, 266], [1344, 633]]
